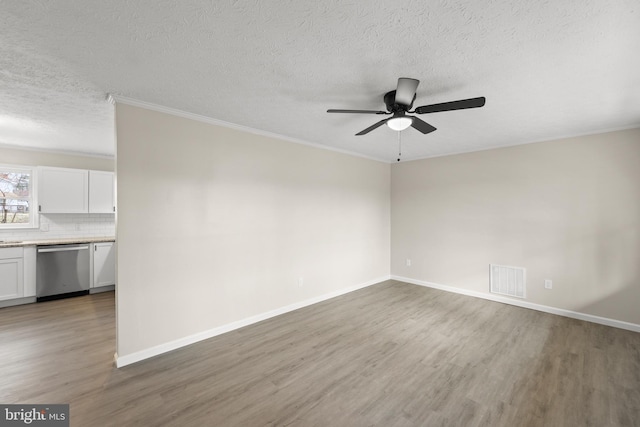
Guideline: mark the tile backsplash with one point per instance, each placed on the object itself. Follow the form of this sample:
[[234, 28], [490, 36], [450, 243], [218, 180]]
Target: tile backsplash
[[55, 226]]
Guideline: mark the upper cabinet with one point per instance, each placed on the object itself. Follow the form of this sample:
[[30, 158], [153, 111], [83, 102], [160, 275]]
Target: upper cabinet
[[63, 190], [101, 198]]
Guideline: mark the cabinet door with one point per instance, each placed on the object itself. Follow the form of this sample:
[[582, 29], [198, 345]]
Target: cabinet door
[[29, 277], [101, 192], [104, 264], [11, 283], [63, 190]]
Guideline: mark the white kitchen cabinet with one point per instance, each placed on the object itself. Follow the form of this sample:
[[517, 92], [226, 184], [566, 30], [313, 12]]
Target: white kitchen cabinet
[[11, 273], [101, 194], [104, 264], [62, 190], [29, 271]]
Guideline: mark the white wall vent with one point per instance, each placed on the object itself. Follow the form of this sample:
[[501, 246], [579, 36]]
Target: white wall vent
[[509, 281]]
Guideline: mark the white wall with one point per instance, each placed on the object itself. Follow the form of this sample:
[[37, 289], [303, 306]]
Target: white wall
[[567, 210], [217, 225]]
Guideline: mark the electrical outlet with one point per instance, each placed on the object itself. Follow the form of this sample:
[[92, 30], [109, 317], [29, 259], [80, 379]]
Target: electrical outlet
[[408, 262], [548, 284], [300, 281]]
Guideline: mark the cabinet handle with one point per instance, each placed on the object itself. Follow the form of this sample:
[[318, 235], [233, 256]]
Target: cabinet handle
[[39, 208], [63, 249]]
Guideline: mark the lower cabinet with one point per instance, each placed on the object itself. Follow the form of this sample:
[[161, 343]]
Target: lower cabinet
[[17, 272], [104, 264], [30, 253], [11, 273]]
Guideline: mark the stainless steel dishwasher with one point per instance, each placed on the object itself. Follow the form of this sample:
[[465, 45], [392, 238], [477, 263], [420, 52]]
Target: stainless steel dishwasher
[[62, 271]]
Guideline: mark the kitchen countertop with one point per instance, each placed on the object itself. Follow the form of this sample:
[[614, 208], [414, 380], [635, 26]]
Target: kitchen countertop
[[66, 241]]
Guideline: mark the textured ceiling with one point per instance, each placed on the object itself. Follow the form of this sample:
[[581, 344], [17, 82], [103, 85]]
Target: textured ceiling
[[548, 69]]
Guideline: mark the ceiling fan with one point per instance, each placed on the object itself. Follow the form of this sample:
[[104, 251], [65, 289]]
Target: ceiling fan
[[399, 103]]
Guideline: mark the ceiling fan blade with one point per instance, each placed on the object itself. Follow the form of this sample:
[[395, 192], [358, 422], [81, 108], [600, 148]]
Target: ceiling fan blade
[[453, 105], [372, 127], [421, 125], [358, 111], [406, 91]]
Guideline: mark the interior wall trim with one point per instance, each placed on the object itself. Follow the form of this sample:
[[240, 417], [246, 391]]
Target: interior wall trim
[[200, 336], [525, 304], [60, 152], [112, 98], [535, 141]]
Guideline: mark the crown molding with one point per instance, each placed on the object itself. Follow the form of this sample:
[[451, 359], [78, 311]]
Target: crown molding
[[555, 138], [51, 151], [113, 98]]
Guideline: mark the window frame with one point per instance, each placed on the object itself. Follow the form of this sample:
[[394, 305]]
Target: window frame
[[32, 199]]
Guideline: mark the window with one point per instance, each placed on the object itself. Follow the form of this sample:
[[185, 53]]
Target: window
[[17, 197]]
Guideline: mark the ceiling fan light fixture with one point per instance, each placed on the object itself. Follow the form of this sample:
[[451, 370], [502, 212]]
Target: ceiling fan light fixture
[[400, 101], [399, 123]]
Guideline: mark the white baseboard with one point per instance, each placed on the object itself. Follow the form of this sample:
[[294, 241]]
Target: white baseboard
[[539, 307], [191, 339], [17, 301], [102, 289]]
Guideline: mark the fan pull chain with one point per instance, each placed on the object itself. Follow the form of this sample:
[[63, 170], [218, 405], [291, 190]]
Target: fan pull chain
[[399, 145]]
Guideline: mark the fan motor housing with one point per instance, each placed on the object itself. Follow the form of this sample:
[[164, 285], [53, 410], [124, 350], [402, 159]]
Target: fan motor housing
[[392, 106]]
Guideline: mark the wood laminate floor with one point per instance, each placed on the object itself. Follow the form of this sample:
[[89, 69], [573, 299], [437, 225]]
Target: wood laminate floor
[[392, 354]]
